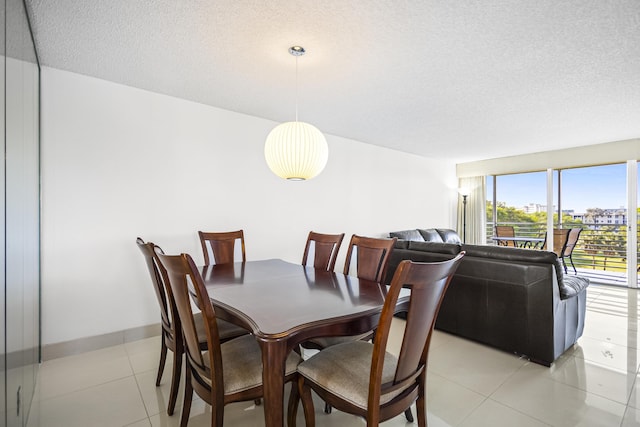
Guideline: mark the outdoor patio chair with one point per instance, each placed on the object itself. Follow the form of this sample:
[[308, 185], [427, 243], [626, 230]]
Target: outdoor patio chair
[[572, 240], [505, 231]]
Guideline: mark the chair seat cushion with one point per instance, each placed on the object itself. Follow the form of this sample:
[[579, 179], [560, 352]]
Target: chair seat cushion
[[344, 370], [226, 330], [325, 342], [242, 364]]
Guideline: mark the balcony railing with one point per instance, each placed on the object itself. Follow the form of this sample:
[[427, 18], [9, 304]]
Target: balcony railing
[[601, 251]]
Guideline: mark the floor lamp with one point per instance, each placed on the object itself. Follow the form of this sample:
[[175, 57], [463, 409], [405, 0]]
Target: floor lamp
[[464, 192]]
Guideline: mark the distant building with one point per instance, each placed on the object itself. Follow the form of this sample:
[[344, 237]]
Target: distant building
[[604, 217], [534, 208]]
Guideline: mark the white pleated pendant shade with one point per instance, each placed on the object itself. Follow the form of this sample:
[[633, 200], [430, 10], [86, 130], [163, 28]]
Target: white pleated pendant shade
[[296, 151]]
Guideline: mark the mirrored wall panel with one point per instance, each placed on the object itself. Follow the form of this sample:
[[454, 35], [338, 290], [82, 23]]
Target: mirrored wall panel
[[20, 214]]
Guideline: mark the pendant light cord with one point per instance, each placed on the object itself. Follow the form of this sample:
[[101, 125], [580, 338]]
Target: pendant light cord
[[296, 88], [297, 51]]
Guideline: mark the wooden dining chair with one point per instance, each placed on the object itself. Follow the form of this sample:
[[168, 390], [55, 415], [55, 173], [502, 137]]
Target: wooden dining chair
[[222, 246], [371, 260], [325, 249], [372, 257], [171, 338], [225, 372], [505, 231], [363, 378]]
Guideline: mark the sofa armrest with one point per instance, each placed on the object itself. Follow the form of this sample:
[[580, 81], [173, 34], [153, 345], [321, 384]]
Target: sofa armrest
[[572, 286]]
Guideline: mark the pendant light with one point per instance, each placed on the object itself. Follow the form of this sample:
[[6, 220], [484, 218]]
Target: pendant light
[[296, 150]]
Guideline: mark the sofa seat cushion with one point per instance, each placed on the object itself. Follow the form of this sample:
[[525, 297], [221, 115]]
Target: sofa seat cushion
[[572, 286], [407, 235]]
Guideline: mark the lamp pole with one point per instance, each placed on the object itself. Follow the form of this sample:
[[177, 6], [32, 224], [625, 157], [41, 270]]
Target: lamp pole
[[464, 218], [464, 192]]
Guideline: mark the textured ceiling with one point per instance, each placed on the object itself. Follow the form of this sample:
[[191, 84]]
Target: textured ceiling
[[463, 80]]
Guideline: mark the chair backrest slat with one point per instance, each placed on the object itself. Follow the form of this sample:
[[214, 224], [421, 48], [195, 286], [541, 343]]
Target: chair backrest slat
[[372, 257], [222, 245], [325, 250]]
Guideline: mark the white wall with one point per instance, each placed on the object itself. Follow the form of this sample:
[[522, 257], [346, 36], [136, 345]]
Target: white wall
[[119, 162]]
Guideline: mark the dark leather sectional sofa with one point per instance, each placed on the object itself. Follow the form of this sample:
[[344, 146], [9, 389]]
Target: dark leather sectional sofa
[[518, 300]]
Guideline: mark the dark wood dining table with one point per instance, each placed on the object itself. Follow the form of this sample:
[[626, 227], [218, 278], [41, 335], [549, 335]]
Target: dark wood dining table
[[284, 304]]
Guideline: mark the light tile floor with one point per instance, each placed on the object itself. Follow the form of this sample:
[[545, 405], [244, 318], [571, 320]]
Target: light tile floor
[[471, 385]]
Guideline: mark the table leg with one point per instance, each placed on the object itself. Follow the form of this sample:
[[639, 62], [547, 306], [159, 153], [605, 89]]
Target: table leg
[[274, 356]]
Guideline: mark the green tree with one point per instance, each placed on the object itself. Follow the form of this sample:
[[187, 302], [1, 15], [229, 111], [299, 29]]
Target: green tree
[[507, 213]]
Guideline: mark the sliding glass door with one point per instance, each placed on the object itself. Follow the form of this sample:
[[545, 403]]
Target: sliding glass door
[[517, 201], [594, 199]]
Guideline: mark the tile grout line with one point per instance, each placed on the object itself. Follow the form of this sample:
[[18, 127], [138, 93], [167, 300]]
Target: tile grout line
[[490, 397], [138, 385], [84, 388], [485, 398], [135, 378]]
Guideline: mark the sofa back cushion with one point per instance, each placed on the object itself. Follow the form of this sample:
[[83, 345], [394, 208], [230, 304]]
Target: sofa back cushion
[[531, 256], [401, 244], [510, 254], [448, 235], [413, 235], [430, 235], [435, 247]]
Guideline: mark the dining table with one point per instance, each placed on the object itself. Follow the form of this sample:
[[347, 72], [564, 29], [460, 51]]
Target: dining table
[[284, 304]]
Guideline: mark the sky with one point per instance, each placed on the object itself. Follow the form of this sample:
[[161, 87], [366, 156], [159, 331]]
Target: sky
[[582, 188]]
